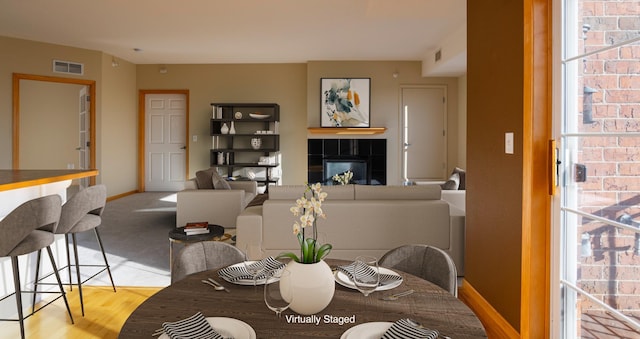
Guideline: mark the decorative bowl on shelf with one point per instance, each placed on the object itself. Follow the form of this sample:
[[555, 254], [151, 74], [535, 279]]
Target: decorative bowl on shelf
[[258, 115]]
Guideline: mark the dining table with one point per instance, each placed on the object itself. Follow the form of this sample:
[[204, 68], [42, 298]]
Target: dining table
[[429, 305]]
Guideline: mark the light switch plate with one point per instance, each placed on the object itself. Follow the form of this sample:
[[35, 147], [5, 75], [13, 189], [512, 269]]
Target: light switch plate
[[195, 138], [508, 143]]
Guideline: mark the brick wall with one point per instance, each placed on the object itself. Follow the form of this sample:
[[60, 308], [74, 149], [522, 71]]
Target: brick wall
[[612, 272]]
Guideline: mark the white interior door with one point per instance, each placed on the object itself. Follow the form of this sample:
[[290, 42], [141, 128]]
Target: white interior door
[[84, 135], [165, 141], [424, 129]]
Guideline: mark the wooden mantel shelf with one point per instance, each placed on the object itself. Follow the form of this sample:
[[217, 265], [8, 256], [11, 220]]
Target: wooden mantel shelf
[[346, 130]]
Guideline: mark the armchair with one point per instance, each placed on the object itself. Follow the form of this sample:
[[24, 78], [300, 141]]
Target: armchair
[[216, 206]]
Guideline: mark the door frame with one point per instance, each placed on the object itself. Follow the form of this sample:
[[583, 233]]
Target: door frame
[[142, 131], [16, 114]]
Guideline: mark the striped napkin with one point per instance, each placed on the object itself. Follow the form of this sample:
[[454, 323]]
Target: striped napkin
[[194, 327], [239, 272], [407, 329], [385, 279]]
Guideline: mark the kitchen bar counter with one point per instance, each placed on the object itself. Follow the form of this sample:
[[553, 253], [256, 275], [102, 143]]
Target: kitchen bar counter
[[13, 179]]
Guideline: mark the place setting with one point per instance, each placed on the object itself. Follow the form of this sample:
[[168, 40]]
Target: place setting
[[253, 270], [199, 326], [365, 275], [403, 328]]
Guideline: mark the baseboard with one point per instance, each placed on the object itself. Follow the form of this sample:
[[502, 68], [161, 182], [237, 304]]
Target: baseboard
[[494, 324], [122, 195]]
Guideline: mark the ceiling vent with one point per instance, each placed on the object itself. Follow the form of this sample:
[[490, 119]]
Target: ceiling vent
[[68, 67], [438, 55]]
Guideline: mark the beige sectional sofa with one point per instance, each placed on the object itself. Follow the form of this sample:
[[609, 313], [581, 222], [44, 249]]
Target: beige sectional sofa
[[360, 220]]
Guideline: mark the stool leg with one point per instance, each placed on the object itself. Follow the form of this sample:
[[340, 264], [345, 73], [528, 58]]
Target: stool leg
[[16, 282], [105, 258], [66, 245], [35, 282], [55, 270], [75, 253]]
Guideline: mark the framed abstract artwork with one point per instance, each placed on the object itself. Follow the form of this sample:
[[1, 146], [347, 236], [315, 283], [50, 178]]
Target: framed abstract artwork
[[345, 102]]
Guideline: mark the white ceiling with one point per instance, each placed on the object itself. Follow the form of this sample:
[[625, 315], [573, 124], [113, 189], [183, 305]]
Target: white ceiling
[[238, 31]]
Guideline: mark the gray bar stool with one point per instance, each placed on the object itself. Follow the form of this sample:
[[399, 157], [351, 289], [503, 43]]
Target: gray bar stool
[[20, 234], [79, 214]]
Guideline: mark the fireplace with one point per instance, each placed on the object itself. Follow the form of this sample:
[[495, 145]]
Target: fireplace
[[358, 167], [365, 158]]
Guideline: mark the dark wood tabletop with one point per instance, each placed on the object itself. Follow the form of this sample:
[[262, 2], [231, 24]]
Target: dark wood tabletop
[[430, 305]]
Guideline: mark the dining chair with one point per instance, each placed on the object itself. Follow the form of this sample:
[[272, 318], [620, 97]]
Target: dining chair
[[428, 262], [20, 234], [203, 256], [82, 212]]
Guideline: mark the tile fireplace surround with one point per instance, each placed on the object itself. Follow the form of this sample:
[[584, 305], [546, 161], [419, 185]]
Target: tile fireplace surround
[[366, 158]]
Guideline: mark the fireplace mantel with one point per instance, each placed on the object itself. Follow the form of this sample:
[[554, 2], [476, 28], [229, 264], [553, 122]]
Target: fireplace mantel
[[347, 130]]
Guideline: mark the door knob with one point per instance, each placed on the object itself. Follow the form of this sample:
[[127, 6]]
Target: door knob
[[183, 147]]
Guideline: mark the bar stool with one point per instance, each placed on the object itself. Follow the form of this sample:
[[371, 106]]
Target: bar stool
[[20, 234], [79, 214]]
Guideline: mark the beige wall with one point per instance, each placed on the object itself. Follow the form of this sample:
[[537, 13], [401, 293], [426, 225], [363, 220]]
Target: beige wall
[[284, 84], [117, 127], [116, 108], [385, 102], [23, 56], [294, 86]]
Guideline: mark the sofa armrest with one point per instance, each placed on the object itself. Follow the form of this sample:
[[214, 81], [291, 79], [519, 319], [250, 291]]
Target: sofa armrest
[[191, 184], [245, 185], [457, 240], [249, 227], [219, 207]]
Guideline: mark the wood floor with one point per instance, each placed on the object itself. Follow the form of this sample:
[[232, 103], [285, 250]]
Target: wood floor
[[105, 313]]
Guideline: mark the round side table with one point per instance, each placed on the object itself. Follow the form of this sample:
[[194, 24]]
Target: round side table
[[177, 235]]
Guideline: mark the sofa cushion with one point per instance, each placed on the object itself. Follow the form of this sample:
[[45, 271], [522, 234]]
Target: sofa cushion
[[293, 192], [463, 178], [421, 192], [203, 179], [218, 181], [452, 183]]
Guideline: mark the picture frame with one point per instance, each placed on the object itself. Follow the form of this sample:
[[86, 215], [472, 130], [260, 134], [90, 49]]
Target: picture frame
[[345, 102]]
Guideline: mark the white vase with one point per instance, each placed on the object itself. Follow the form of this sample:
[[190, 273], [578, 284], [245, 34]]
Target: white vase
[[232, 130], [224, 129], [313, 286]]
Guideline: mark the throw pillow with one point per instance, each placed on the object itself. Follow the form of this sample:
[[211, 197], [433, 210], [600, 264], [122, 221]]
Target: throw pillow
[[203, 179], [218, 182], [453, 183], [462, 175]]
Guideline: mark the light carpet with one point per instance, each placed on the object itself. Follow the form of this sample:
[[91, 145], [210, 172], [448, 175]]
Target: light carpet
[[134, 232]]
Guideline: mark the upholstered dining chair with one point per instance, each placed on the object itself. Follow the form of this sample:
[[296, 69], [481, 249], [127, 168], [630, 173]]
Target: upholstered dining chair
[[428, 262], [82, 212], [20, 234], [202, 256]]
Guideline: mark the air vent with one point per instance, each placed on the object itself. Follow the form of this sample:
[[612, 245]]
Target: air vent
[[68, 67], [438, 55]]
